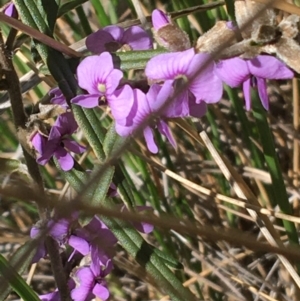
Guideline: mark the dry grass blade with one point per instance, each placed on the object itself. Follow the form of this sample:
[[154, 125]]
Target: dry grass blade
[[282, 5], [244, 192]]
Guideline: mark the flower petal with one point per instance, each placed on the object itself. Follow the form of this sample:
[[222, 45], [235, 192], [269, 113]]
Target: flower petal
[[262, 92], [233, 71], [94, 70], [73, 146], [269, 67], [247, 93], [123, 105], [115, 31], [169, 65], [197, 110], [64, 159], [159, 19], [86, 101], [137, 38], [205, 85], [101, 291], [96, 41], [148, 135], [38, 141], [58, 229], [58, 98], [165, 130], [158, 95], [112, 81], [86, 279], [66, 124], [79, 244]]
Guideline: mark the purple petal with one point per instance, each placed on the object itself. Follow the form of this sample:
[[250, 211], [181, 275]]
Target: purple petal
[[86, 279], [205, 85], [41, 250], [96, 42], [141, 227], [64, 159], [101, 264], [233, 71], [38, 141], [269, 67], [115, 31], [165, 130], [66, 124], [50, 148], [59, 229], [112, 81], [97, 227], [79, 244], [144, 227], [55, 296], [247, 93], [231, 25], [122, 104], [86, 101], [262, 92], [101, 291], [139, 111], [11, 11], [169, 65], [137, 38], [159, 19], [94, 70], [158, 95], [148, 135], [54, 136], [74, 146], [58, 98], [197, 109]]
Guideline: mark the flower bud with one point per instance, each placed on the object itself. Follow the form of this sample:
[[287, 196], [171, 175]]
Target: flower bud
[[167, 34], [245, 10]]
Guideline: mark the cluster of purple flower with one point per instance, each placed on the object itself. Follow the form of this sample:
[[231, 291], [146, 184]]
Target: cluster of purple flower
[[130, 106], [94, 241]]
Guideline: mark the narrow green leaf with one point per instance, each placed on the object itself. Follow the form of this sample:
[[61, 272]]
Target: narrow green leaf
[[11, 273], [11, 166], [271, 158], [100, 13], [65, 8]]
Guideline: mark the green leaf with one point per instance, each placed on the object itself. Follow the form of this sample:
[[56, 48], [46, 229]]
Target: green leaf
[[65, 8], [10, 166], [12, 270], [51, 9], [269, 151]]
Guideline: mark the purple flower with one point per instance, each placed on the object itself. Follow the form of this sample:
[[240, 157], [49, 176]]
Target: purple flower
[[11, 11], [94, 236], [96, 75], [254, 72], [58, 98], [111, 38], [168, 34], [58, 143], [143, 105], [92, 281], [205, 86], [57, 229], [142, 227]]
